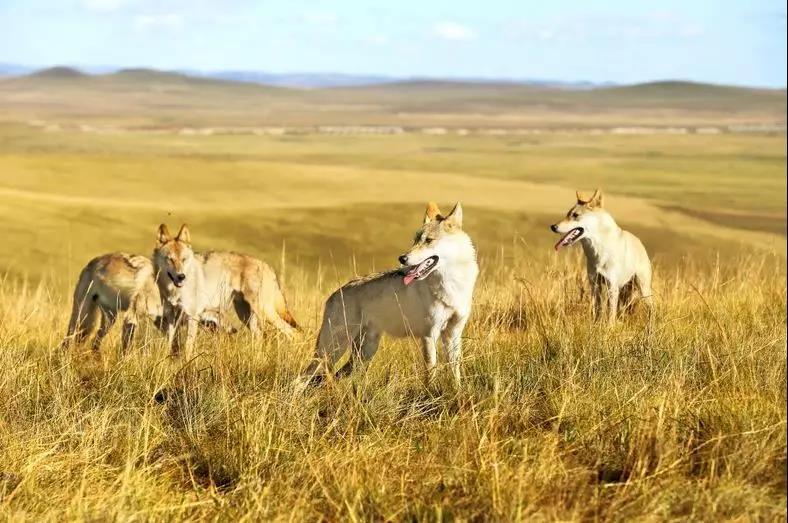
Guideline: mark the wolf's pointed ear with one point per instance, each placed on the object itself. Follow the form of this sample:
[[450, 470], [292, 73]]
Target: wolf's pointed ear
[[581, 198], [183, 235], [163, 236], [432, 212], [596, 200], [455, 216]]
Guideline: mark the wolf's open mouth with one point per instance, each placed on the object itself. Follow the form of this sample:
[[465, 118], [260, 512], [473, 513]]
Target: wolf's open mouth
[[420, 271], [570, 237], [175, 282]]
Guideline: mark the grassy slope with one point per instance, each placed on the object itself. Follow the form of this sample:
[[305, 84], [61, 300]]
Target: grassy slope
[[68, 196], [557, 418]]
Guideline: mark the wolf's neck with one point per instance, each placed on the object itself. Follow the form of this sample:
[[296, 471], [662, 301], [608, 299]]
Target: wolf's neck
[[599, 245], [455, 281]]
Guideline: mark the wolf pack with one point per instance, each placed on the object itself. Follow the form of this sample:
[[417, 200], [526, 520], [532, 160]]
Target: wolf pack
[[429, 297]]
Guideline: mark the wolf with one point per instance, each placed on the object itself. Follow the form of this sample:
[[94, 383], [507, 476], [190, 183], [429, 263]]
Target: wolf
[[120, 283], [616, 260], [429, 297], [109, 285], [192, 283]]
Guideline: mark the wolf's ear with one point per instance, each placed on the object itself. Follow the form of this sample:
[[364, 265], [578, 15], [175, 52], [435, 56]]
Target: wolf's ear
[[183, 235], [432, 212], [581, 198], [455, 216], [596, 200], [163, 236]]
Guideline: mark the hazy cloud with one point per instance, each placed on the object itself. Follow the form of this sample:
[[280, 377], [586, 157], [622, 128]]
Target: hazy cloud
[[158, 21], [379, 39], [104, 6], [453, 31], [321, 18]]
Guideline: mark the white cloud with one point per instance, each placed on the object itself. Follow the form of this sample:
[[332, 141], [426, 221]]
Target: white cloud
[[652, 26], [453, 31], [321, 18], [379, 39], [158, 21], [104, 6], [692, 30]]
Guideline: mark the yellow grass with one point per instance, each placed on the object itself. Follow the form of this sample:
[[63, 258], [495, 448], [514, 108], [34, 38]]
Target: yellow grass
[[557, 418]]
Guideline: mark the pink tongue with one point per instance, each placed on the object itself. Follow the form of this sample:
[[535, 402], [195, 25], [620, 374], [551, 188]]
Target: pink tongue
[[563, 239], [408, 279]]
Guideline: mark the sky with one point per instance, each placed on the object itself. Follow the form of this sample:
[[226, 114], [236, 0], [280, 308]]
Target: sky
[[739, 42]]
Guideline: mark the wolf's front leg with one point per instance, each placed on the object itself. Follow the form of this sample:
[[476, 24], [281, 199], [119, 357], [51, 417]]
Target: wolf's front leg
[[452, 343], [191, 332], [169, 324], [613, 292], [430, 353], [596, 294]]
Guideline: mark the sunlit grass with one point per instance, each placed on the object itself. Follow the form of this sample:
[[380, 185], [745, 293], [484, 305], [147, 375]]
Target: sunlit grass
[[556, 416]]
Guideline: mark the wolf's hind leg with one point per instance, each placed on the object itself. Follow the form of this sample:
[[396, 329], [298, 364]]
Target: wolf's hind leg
[[108, 317], [83, 318], [364, 348], [332, 341], [127, 336], [643, 281]]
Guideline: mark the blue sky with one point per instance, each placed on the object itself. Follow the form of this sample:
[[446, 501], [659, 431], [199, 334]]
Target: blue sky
[[723, 41]]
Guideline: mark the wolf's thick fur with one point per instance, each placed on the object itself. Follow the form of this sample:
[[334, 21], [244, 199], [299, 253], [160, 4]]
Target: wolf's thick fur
[[432, 308], [616, 260], [191, 284], [108, 285]]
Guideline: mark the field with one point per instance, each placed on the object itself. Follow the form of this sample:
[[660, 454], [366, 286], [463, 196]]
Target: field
[[557, 417]]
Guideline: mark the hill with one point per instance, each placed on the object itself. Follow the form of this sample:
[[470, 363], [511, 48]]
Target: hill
[[151, 98]]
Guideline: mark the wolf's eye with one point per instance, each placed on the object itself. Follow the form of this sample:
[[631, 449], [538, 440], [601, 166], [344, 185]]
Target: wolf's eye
[[427, 241], [575, 215]]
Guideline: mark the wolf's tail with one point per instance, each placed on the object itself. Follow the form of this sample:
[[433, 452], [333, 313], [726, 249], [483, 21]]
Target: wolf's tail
[[281, 309], [84, 310]]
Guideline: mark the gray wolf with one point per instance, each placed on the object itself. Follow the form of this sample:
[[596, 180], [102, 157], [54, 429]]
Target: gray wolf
[[109, 285], [192, 283], [616, 260], [114, 284], [429, 297]]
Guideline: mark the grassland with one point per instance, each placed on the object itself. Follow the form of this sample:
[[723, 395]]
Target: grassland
[[557, 418]]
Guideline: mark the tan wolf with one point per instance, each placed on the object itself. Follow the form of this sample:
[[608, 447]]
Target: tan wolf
[[117, 283], [429, 298], [616, 260], [109, 285], [192, 283]]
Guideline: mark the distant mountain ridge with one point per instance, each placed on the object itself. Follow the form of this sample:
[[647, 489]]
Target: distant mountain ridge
[[308, 80], [300, 80]]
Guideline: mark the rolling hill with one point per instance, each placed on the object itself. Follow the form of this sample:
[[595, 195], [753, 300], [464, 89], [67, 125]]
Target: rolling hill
[[151, 98]]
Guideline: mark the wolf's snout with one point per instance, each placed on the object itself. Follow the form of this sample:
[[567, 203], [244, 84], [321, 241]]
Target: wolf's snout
[[180, 277], [554, 227], [403, 259]]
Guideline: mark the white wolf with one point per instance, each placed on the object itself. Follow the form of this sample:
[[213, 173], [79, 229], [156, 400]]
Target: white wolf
[[616, 261], [429, 298]]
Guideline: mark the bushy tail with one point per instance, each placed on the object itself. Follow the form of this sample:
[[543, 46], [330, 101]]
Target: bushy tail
[[84, 310], [283, 311]]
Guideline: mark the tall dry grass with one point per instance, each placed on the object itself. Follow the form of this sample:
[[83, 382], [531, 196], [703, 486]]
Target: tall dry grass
[[557, 417]]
